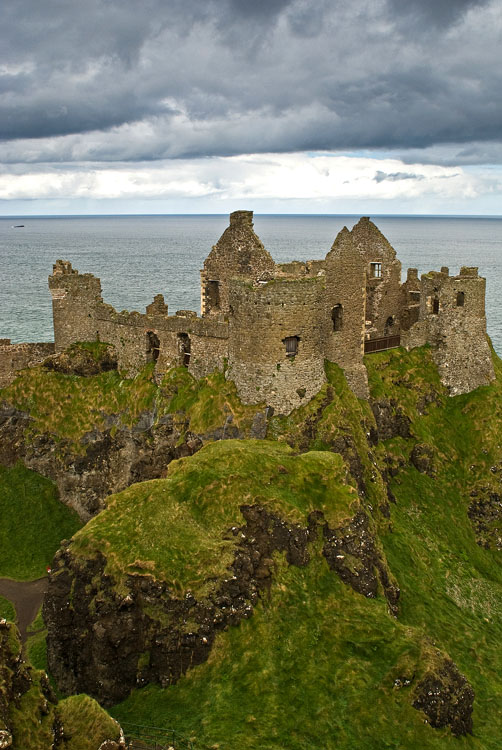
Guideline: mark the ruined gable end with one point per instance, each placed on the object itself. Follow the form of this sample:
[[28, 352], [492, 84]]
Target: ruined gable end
[[239, 253]]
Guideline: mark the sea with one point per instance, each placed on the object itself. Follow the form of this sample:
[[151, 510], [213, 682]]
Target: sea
[[137, 257]]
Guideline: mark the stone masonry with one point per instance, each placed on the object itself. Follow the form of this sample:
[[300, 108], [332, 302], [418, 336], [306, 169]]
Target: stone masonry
[[270, 327]]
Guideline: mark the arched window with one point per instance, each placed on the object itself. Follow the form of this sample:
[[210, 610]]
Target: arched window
[[460, 299], [337, 317], [435, 305], [291, 343], [389, 324], [152, 346]]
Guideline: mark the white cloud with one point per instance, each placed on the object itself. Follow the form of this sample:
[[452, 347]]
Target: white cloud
[[314, 177]]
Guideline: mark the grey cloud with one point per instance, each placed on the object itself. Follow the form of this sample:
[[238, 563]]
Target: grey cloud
[[396, 176], [438, 12], [123, 81]]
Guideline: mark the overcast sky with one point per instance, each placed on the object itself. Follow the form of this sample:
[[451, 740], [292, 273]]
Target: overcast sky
[[318, 106]]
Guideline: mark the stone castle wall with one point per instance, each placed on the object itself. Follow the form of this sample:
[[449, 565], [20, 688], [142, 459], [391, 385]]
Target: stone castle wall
[[276, 341], [345, 297], [15, 357], [452, 320]]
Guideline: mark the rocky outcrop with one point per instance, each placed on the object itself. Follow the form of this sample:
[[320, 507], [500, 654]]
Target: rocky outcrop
[[79, 360], [390, 419], [159, 634], [446, 698], [422, 457], [106, 461], [30, 714], [485, 513]]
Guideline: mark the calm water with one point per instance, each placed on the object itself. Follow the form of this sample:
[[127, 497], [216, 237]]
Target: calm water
[[139, 256]]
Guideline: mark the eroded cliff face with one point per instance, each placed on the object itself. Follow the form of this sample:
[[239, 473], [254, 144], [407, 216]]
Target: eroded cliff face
[[160, 635]]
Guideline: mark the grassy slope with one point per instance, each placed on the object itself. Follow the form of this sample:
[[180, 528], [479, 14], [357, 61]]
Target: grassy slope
[[7, 610], [33, 523], [451, 586]]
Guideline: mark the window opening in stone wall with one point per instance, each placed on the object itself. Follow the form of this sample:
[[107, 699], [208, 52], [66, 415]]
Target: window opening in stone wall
[[291, 343], [152, 346], [337, 317], [435, 305], [389, 325], [460, 299], [213, 295], [184, 347], [376, 270]]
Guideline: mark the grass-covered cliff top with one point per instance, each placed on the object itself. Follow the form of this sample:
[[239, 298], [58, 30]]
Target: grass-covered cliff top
[[176, 528], [68, 406]]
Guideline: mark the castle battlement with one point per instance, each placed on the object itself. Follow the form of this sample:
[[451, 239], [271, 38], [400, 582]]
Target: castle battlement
[[270, 327]]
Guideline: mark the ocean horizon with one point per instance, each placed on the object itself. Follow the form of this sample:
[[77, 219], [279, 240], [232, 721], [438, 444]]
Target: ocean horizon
[[140, 255]]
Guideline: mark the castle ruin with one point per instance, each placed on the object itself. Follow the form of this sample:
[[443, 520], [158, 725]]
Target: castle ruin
[[270, 327]]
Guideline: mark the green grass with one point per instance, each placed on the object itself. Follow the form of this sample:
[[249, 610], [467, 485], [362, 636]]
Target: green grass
[[36, 646], [7, 610], [313, 668], [86, 724], [174, 528], [33, 523], [69, 406]]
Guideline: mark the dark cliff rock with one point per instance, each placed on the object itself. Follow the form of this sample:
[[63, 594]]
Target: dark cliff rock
[[352, 552], [390, 419]]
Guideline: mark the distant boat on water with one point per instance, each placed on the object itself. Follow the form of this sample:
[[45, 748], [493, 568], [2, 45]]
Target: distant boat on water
[[17, 226]]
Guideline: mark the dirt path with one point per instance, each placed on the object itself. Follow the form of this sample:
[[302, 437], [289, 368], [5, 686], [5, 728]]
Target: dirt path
[[26, 596]]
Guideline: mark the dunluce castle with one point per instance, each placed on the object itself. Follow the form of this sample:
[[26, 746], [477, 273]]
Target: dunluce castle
[[270, 326]]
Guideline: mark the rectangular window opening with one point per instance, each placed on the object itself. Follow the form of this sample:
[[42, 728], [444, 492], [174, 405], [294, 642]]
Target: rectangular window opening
[[376, 270]]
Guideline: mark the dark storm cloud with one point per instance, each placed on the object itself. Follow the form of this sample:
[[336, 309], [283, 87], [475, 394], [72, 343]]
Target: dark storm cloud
[[115, 80], [440, 12]]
